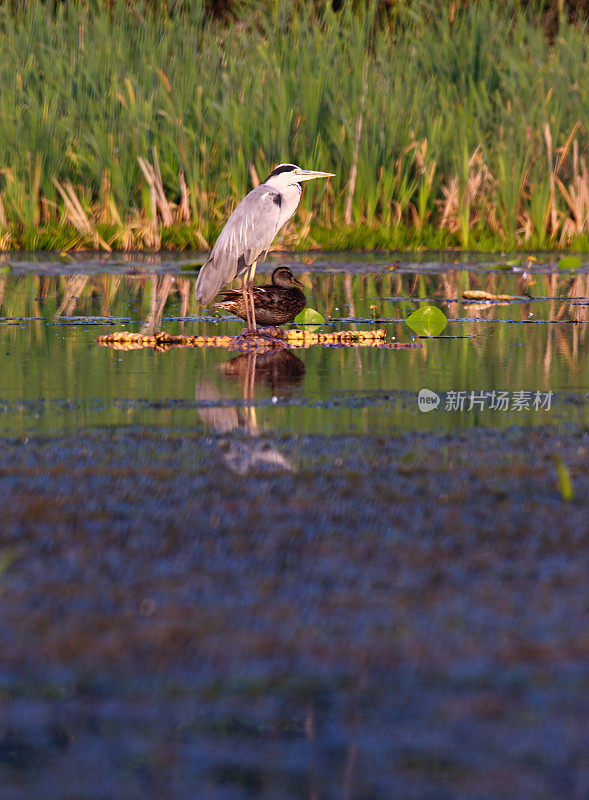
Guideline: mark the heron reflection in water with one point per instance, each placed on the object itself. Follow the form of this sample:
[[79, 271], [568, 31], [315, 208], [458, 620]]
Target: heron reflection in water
[[280, 371]]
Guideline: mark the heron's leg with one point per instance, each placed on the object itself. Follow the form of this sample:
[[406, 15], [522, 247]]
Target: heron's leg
[[246, 299], [250, 408], [252, 273], [247, 387]]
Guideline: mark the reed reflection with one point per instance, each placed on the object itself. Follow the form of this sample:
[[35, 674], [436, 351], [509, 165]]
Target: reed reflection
[[334, 294], [556, 349], [74, 286], [161, 286]]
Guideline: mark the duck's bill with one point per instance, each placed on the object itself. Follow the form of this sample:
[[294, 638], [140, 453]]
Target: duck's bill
[[298, 283], [309, 174]]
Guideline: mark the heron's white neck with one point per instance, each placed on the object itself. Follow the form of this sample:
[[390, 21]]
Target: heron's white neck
[[291, 197]]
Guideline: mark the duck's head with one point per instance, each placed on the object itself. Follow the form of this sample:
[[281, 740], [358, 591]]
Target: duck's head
[[282, 276]]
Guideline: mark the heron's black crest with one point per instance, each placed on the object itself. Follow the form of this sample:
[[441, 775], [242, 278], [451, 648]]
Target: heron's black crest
[[277, 198], [282, 168]]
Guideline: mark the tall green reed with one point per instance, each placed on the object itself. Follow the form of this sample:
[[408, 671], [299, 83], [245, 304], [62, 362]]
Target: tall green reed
[[86, 91]]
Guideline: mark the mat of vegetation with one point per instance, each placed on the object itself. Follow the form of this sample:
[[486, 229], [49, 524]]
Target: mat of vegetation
[[132, 125], [284, 617]]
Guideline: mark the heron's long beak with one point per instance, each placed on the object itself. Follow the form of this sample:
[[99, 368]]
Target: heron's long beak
[[309, 174]]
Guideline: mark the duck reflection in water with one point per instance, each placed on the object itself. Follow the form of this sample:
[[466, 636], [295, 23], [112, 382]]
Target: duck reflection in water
[[280, 371]]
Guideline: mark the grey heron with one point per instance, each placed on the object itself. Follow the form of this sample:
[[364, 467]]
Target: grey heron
[[249, 232]]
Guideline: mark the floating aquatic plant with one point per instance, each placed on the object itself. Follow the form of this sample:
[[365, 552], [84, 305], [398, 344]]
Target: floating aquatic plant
[[427, 321], [309, 316]]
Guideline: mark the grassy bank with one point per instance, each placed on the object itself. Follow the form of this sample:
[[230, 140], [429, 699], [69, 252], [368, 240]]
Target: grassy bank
[[126, 130]]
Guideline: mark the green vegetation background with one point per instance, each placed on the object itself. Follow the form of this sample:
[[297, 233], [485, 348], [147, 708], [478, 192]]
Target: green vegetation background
[[446, 123]]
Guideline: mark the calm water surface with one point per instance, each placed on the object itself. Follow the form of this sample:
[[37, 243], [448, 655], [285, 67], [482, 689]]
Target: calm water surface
[[54, 375]]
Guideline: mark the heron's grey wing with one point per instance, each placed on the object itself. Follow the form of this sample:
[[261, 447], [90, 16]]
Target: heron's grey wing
[[247, 234], [257, 222]]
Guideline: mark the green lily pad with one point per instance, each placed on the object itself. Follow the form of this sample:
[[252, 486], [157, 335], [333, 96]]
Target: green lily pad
[[309, 316], [427, 321], [570, 263]]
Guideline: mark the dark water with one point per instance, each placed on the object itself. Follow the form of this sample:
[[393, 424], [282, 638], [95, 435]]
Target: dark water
[[533, 349], [204, 595]]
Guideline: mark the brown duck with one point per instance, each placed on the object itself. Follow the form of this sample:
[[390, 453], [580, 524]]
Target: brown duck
[[276, 303]]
